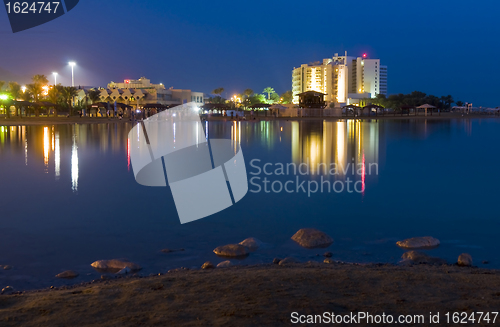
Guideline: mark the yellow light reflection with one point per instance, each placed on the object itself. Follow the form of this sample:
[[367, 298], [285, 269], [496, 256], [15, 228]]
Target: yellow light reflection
[[74, 164], [46, 148], [341, 142], [57, 156]]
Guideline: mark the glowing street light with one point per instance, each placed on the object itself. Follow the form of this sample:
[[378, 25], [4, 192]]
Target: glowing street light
[[72, 64], [55, 78], [23, 88], [4, 97]]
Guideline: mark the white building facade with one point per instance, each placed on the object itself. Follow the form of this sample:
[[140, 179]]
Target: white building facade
[[344, 79]]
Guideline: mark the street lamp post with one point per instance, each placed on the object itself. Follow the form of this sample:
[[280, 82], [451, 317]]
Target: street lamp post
[[72, 64], [55, 78]]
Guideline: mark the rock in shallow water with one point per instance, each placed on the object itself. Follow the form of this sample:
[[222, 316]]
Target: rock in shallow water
[[464, 260], [8, 290], [115, 265], [417, 257], [288, 261], [328, 260], [312, 238], [232, 251], [327, 254], [426, 242], [68, 274], [207, 265], [224, 264], [251, 243]]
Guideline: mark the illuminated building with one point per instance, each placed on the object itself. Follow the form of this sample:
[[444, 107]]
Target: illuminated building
[[147, 93], [344, 79]]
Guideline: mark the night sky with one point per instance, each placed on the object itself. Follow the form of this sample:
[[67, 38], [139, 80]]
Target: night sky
[[438, 47]]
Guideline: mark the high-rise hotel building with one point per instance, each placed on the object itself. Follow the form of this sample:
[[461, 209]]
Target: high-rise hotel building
[[344, 79]]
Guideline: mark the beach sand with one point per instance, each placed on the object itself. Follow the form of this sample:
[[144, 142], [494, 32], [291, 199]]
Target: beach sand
[[264, 295]]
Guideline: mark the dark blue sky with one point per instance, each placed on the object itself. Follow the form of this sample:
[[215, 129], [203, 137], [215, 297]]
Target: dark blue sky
[[439, 47]]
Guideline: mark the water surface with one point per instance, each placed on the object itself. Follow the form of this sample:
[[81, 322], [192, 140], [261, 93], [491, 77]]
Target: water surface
[[68, 196]]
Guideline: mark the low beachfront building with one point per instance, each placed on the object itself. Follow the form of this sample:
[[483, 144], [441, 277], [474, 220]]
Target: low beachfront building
[[141, 92]]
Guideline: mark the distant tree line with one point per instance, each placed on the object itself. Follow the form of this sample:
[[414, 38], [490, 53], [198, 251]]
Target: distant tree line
[[40, 91], [413, 99], [249, 97]]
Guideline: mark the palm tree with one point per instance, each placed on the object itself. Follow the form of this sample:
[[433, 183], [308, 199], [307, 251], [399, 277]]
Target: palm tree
[[248, 92], [449, 101], [41, 79], [54, 96], [68, 93], [218, 91], [287, 97], [34, 90], [269, 91], [7, 111], [94, 96], [15, 90]]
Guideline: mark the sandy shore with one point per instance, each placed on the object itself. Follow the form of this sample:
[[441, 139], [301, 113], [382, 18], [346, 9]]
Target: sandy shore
[[78, 120], [264, 295]]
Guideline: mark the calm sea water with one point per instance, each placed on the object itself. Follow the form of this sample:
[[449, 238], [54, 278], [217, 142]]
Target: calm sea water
[[68, 196]]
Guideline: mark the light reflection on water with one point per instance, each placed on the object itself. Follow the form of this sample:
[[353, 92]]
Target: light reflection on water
[[74, 164], [80, 178]]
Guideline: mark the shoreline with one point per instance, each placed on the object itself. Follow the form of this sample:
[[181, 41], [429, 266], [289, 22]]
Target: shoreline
[[34, 121], [263, 295]]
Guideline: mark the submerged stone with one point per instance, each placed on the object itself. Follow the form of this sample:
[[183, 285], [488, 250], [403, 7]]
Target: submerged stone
[[8, 290], [312, 238], [115, 265], [417, 257], [224, 264], [464, 260], [231, 250], [288, 261], [426, 242], [68, 274], [251, 243], [207, 265]]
